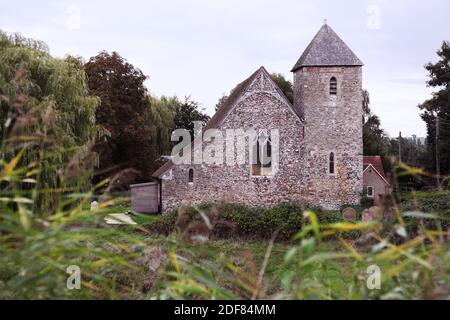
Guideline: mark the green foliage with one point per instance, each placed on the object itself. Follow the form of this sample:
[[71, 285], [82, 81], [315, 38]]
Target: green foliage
[[260, 222], [161, 116], [122, 113], [328, 217], [375, 140], [221, 102], [231, 220], [430, 203], [365, 201], [285, 86], [33, 77], [36, 250], [48, 121], [446, 183], [164, 224], [187, 113], [44, 101], [312, 269], [438, 106]]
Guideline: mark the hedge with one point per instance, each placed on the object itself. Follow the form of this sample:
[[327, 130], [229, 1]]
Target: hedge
[[236, 220], [438, 203]]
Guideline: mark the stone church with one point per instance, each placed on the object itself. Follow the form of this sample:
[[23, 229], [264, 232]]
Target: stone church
[[320, 145]]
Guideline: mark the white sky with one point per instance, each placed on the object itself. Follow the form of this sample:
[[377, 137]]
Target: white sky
[[203, 48]]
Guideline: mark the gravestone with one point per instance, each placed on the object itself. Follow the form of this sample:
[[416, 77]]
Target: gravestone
[[349, 214], [377, 213], [367, 216]]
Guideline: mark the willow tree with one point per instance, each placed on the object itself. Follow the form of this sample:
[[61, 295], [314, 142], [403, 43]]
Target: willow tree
[[160, 117], [46, 114]]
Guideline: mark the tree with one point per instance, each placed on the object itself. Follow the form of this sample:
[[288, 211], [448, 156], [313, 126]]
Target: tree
[[437, 110], [161, 116], [221, 101], [44, 102], [186, 113], [375, 139], [285, 85], [122, 113]]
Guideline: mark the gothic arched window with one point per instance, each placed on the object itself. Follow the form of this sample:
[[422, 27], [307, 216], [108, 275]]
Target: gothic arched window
[[333, 86], [331, 163], [267, 153], [262, 155], [191, 175]]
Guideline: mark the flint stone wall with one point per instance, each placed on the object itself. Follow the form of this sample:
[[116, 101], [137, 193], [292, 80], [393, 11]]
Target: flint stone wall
[[331, 124], [261, 108]]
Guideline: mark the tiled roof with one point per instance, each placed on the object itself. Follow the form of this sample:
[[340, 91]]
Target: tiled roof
[[327, 49], [376, 162]]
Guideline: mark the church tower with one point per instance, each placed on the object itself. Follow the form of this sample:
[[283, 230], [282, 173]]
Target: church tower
[[328, 96]]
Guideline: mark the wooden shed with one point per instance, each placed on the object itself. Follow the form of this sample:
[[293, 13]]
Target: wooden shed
[[145, 197]]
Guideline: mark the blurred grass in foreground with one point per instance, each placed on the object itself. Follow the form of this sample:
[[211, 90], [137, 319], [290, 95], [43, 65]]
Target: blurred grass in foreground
[[126, 262]]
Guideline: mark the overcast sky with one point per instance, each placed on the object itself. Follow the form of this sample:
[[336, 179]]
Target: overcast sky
[[203, 48]]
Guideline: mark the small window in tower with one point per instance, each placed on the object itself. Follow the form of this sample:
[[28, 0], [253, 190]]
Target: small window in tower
[[333, 86], [331, 164], [191, 175]]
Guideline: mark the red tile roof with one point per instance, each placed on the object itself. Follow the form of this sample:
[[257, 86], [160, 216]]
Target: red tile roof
[[376, 162]]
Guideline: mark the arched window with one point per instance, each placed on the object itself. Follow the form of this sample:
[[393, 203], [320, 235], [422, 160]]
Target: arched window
[[262, 155], [191, 175], [333, 86], [267, 153], [331, 164]]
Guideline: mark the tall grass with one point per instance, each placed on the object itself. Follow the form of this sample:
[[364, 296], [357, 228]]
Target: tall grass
[[319, 263], [415, 267], [36, 250]]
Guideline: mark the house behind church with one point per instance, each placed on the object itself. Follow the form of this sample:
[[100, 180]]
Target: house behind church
[[319, 138], [376, 184]]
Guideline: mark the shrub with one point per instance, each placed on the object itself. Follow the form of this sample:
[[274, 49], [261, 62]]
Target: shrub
[[164, 224], [366, 202], [261, 222], [427, 202], [438, 202], [328, 217], [236, 220], [446, 183], [286, 217]]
